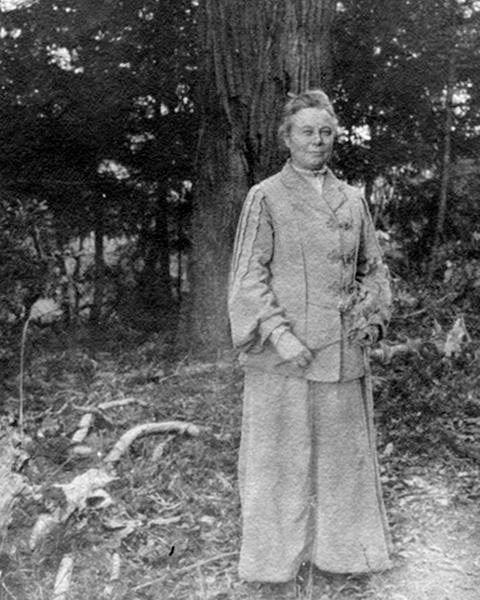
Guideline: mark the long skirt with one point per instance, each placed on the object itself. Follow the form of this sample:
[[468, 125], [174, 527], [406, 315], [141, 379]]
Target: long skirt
[[308, 479]]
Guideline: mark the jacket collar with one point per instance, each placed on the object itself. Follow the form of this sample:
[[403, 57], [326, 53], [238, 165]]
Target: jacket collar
[[333, 194]]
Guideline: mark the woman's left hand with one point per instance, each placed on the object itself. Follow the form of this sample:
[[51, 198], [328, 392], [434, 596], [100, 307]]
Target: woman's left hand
[[367, 336]]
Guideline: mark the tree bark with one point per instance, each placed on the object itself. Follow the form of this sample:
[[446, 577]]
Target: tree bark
[[253, 55], [99, 264], [154, 282], [446, 158]]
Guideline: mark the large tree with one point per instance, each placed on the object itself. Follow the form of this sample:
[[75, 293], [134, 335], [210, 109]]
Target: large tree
[[254, 53]]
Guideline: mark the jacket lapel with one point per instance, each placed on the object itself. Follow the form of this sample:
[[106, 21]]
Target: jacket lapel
[[329, 201], [333, 191]]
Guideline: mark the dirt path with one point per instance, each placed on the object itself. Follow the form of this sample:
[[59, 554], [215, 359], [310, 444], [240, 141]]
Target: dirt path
[[442, 559], [435, 515], [437, 524]]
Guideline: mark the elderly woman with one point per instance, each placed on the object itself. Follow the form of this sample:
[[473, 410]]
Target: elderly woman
[[308, 293]]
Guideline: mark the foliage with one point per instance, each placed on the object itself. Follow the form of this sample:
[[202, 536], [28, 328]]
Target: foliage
[[385, 79], [27, 268], [392, 69], [96, 118]]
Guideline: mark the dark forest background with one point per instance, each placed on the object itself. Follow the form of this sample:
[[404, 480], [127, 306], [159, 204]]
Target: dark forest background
[[130, 132]]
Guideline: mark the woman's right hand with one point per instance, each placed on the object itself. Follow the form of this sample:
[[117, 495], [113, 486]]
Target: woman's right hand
[[291, 349]]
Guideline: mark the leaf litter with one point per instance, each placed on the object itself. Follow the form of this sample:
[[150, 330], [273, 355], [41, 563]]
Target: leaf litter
[[170, 528]]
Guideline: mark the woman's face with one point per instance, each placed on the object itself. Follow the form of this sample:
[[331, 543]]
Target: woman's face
[[310, 138]]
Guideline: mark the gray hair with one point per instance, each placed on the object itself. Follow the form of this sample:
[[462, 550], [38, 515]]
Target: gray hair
[[308, 99]]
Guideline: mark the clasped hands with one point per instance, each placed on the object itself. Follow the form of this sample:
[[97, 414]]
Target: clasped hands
[[291, 349]]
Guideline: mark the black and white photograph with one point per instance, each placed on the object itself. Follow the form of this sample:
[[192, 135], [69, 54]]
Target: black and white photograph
[[239, 299]]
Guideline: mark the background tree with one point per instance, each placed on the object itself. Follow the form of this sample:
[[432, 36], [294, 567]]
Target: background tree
[[95, 120], [393, 73], [252, 55], [99, 121]]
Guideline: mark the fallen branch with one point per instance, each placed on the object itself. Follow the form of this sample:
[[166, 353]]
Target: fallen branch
[[44, 526], [120, 403], [384, 353], [90, 411], [63, 578], [447, 344], [94, 410], [11, 484], [83, 428], [134, 433], [114, 575], [87, 488]]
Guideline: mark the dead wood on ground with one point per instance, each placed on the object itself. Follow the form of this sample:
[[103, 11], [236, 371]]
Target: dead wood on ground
[[12, 484], [87, 488]]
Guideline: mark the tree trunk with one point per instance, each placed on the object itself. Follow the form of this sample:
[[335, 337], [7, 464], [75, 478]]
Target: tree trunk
[[154, 282], [446, 158], [254, 53], [99, 265]]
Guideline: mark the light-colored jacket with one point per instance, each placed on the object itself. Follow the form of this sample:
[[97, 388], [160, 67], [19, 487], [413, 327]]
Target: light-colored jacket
[[312, 263]]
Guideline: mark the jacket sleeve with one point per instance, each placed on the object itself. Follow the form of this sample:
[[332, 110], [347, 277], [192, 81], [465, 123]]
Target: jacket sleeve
[[253, 309], [374, 292]]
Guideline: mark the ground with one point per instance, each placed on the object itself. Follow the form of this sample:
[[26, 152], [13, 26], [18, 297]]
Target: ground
[[172, 528]]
